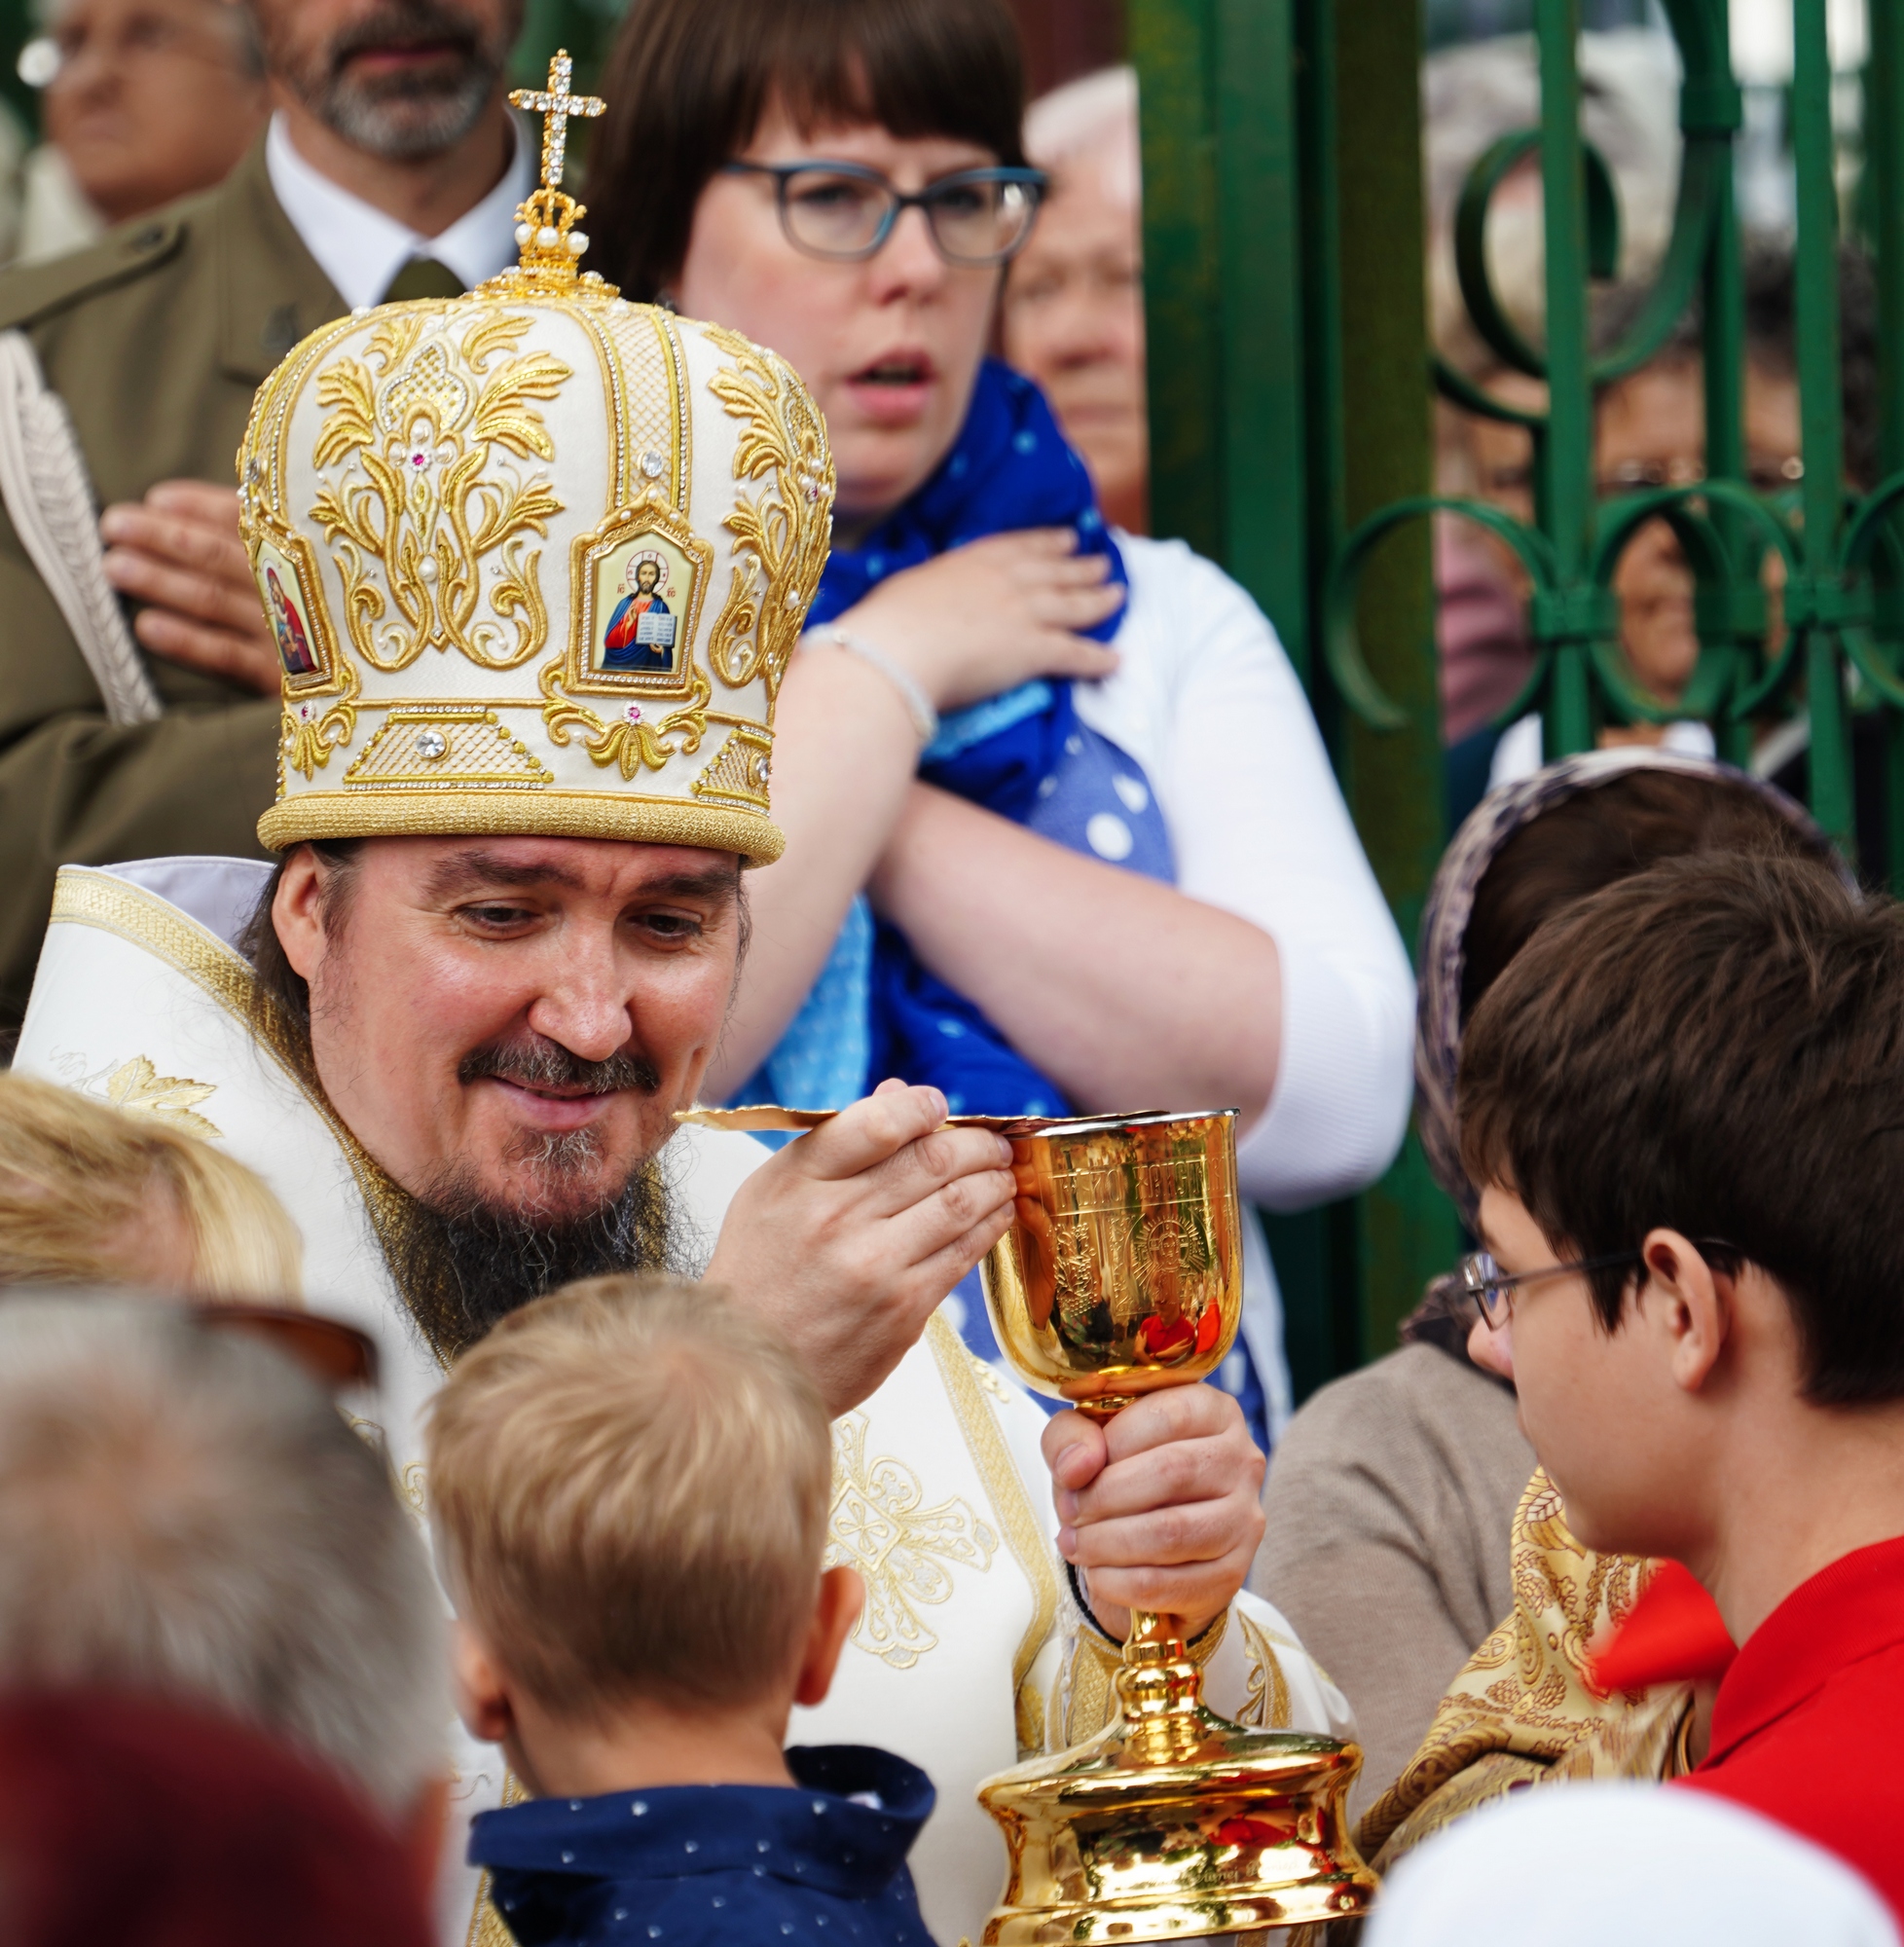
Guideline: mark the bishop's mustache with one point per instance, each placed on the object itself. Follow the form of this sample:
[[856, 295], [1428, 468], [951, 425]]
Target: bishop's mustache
[[538, 1062]]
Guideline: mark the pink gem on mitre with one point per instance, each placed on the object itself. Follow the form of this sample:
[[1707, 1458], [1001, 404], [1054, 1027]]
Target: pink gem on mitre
[[634, 713]]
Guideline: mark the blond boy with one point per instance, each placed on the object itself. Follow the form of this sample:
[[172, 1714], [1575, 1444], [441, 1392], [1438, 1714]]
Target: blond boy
[[629, 1482]]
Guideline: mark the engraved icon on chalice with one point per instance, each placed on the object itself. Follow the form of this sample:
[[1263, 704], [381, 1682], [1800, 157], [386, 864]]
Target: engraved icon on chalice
[[1122, 1273]]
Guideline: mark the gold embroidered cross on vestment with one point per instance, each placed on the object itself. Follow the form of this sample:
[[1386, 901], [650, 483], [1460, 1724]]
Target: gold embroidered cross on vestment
[[904, 1551]]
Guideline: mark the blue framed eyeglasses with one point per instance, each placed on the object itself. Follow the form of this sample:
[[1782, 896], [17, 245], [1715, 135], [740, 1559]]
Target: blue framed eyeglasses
[[845, 211]]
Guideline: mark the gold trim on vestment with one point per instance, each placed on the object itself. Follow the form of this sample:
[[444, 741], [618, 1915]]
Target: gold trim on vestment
[[1521, 1709], [991, 1454], [486, 1927], [1088, 1687], [84, 896], [878, 1524], [1266, 1704], [513, 813]]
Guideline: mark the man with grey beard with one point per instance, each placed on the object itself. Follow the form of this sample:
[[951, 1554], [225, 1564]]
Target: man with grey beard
[[392, 167]]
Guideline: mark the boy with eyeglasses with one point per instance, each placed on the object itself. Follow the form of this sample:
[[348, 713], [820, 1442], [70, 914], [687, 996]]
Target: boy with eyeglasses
[[1683, 1104]]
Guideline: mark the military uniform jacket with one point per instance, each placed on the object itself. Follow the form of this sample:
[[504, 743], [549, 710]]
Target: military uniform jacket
[[155, 337], [970, 1652]]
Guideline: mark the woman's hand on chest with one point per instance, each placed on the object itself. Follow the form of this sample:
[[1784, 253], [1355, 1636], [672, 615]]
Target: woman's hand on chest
[[981, 619]]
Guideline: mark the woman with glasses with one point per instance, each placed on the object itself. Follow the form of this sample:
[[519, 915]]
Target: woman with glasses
[[1400, 1525], [1061, 832]]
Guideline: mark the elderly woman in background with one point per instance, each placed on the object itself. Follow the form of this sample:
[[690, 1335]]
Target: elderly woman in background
[[1061, 833], [143, 101], [1074, 297], [91, 1194]]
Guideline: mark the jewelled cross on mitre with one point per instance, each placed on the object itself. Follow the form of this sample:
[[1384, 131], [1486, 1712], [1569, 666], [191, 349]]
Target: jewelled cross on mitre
[[555, 104], [544, 226]]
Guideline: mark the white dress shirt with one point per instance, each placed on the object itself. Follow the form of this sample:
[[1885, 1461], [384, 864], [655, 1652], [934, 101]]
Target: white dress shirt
[[361, 249]]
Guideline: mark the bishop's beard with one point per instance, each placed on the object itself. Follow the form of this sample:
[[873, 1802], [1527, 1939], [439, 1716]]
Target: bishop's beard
[[463, 1264]]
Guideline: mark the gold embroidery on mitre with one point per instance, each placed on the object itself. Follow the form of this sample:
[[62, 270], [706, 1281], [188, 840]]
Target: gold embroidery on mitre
[[419, 456], [904, 1551], [311, 731], [414, 484], [738, 773], [446, 747], [782, 533], [138, 1089], [640, 362], [626, 736]]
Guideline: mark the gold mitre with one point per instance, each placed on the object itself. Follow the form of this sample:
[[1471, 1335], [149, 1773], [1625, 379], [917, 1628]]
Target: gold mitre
[[535, 558]]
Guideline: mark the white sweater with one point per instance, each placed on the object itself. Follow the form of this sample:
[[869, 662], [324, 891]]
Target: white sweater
[[1207, 702]]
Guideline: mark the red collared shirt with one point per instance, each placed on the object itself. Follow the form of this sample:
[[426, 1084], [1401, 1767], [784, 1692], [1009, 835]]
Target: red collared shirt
[[1809, 1724]]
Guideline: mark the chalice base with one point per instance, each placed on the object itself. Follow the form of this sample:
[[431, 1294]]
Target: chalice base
[[1237, 1831]]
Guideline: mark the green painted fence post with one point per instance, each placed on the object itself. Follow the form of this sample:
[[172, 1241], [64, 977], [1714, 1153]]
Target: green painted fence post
[[1406, 1231], [1283, 249]]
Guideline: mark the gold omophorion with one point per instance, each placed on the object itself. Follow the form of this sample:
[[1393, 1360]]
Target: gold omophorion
[[1122, 1273]]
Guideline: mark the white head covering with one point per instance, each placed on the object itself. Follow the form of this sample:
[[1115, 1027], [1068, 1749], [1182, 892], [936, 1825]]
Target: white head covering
[[1577, 1865]]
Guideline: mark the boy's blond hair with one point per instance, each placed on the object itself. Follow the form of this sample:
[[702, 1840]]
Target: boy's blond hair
[[629, 1480], [83, 1185]]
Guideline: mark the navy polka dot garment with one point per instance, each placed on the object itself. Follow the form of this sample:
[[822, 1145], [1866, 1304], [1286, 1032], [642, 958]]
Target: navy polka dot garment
[[819, 1863]]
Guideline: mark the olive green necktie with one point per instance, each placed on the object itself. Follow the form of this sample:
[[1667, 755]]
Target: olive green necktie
[[424, 277]]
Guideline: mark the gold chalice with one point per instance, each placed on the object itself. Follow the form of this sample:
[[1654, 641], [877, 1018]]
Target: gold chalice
[[1121, 1274]]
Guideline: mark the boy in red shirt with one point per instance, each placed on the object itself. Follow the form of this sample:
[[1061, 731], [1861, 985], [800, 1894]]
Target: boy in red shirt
[[1684, 1104]]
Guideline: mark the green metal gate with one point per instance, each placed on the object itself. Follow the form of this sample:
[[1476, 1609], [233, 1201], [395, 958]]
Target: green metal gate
[[1291, 387]]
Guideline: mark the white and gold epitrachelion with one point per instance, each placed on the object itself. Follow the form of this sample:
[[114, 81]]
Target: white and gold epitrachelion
[[536, 560]]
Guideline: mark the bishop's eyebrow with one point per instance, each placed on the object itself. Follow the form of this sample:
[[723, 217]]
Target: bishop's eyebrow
[[467, 873], [693, 884]]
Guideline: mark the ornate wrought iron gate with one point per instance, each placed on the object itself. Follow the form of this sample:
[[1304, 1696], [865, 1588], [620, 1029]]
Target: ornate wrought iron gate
[[1290, 385]]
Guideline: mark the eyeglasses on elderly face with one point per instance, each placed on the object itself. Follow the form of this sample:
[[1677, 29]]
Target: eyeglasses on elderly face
[[845, 211], [1491, 1289]]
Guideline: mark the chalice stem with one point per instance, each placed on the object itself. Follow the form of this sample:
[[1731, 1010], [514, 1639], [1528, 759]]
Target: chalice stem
[[1161, 1688]]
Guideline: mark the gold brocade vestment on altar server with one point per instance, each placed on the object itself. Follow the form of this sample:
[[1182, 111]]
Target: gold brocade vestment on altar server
[[971, 1651], [1521, 1711]]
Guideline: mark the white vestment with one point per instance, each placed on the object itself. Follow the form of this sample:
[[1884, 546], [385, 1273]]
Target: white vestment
[[971, 1651]]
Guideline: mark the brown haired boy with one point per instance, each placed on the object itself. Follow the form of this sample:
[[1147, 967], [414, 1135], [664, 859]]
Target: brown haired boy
[[636, 1625], [1684, 1104]]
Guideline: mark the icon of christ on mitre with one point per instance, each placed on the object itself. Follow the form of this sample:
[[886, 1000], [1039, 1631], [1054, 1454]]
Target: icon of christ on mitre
[[451, 1025], [640, 634]]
